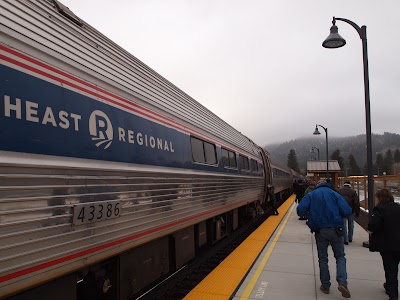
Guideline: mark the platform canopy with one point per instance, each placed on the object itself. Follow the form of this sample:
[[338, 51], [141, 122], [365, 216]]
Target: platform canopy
[[320, 166], [316, 169]]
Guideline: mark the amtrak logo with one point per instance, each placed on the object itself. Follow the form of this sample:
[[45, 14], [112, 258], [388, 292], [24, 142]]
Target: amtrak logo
[[100, 129]]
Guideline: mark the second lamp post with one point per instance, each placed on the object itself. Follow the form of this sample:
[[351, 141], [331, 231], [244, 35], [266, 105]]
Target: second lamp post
[[327, 157], [315, 148]]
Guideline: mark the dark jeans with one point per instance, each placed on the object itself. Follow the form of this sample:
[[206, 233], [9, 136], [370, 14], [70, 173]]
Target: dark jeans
[[272, 204], [391, 261], [324, 238], [348, 223]]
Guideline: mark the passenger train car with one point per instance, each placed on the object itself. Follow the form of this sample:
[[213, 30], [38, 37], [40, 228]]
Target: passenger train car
[[282, 178], [111, 176]]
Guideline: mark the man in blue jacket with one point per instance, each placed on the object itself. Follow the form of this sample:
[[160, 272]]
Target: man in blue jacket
[[326, 210]]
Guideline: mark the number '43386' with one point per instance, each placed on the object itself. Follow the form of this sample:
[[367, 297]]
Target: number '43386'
[[95, 211]]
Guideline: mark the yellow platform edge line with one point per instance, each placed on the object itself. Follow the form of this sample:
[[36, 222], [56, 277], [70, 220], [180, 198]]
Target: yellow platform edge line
[[209, 279], [250, 286]]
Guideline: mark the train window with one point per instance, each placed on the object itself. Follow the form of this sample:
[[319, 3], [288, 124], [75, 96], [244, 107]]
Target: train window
[[211, 155], [260, 168], [253, 165], [197, 150], [232, 159], [244, 162], [203, 151], [229, 158], [225, 157]]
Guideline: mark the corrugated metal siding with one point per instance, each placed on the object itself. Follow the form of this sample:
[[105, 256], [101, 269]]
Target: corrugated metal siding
[[333, 165], [37, 203], [94, 53]]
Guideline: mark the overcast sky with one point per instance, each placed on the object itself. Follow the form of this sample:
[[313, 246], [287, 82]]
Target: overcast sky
[[259, 65]]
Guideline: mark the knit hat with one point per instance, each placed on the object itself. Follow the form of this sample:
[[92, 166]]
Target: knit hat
[[347, 183]]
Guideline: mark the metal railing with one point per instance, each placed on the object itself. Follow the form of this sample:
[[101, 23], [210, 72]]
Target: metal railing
[[360, 184]]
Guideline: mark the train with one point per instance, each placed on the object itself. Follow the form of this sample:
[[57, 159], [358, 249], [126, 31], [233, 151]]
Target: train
[[111, 176]]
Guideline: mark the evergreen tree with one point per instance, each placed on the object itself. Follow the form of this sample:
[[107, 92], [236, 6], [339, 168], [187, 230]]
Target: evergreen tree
[[388, 162], [379, 164], [396, 156], [365, 169], [354, 169], [336, 156], [292, 161]]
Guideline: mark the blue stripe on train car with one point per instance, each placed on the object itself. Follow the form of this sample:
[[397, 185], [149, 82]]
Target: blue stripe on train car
[[37, 116], [40, 117]]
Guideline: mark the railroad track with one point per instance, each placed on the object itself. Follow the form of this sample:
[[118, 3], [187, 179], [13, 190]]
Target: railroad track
[[179, 284]]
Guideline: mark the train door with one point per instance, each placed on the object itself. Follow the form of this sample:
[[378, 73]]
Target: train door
[[267, 173]]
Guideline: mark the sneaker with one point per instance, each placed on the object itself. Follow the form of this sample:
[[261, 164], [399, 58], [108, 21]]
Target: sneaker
[[350, 241], [344, 290], [346, 243], [324, 290]]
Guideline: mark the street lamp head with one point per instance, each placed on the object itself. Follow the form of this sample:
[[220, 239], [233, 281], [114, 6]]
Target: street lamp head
[[316, 131], [334, 40]]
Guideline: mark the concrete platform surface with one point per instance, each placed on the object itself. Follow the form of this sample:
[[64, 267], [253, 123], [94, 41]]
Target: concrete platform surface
[[288, 267]]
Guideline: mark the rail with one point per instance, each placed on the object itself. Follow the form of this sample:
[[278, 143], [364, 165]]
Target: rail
[[359, 183]]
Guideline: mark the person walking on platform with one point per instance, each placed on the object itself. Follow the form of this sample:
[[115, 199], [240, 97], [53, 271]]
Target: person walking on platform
[[352, 199], [272, 200], [300, 189], [311, 187], [326, 209], [385, 238], [294, 186]]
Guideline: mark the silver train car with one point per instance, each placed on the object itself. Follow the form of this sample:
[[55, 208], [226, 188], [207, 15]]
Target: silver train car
[[111, 176], [282, 178]]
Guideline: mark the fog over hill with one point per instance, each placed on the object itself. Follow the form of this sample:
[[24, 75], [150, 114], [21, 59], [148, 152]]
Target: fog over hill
[[355, 145]]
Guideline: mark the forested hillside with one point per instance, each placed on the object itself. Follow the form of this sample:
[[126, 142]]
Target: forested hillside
[[355, 145]]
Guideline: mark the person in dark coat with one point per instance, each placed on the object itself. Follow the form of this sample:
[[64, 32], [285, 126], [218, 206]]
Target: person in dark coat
[[352, 199], [300, 189], [294, 186], [272, 200], [385, 238]]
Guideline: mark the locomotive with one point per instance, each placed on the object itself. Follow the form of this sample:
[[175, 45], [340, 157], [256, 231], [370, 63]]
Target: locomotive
[[111, 176]]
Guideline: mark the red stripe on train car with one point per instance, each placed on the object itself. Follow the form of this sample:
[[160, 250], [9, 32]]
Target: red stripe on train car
[[150, 114], [108, 245], [52, 69]]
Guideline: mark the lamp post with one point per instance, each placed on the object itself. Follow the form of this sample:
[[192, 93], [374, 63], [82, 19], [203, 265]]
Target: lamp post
[[334, 40], [315, 148], [327, 157]]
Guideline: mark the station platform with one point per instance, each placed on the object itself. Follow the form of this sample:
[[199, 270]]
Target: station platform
[[286, 266]]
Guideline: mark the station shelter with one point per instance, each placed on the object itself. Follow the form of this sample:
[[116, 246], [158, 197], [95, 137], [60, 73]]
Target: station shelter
[[316, 170]]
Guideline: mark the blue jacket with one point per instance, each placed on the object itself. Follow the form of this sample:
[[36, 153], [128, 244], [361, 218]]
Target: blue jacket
[[325, 208]]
